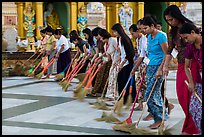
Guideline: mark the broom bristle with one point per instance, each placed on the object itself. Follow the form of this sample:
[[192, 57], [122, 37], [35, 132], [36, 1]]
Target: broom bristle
[[119, 107], [109, 118], [101, 105], [31, 74], [39, 75], [80, 76], [59, 76], [124, 127], [63, 84], [81, 94], [60, 83], [129, 102], [78, 88], [66, 87]]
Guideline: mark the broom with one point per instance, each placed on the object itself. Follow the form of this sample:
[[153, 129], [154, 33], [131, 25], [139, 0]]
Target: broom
[[132, 128], [68, 82], [146, 103], [129, 99], [81, 94], [60, 83], [64, 80], [129, 119], [32, 68], [120, 100], [78, 88], [33, 72], [69, 75], [61, 74], [90, 72], [45, 68], [110, 115], [100, 103], [100, 99], [195, 93], [161, 127]]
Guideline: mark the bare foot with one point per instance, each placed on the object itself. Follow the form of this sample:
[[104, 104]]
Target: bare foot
[[170, 107], [155, 125], [148, 117]]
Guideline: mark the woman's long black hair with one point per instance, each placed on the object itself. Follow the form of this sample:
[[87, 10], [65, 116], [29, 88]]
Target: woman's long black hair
[[90, 39], [175, 12], [126, 41]]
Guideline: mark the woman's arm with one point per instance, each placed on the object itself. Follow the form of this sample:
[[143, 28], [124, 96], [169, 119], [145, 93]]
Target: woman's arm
[[191, 85], [61, 49], [164, 46]]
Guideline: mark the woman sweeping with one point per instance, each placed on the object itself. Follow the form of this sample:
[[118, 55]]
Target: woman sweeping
[[193, 56], [176, 48], [82, 51], [156, 50], [126, 63], [112, 52], [63, 52], [50, 50], [102, 75]]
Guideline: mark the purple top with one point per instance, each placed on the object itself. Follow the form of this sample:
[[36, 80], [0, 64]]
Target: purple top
[[192, 53]]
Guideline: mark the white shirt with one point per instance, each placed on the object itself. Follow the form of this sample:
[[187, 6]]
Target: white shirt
[[142, 46], [123, 54], [70, 45], [60, 42], [112, 48]]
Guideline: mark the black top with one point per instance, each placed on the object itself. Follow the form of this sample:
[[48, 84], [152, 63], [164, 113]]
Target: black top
[[81, 44]]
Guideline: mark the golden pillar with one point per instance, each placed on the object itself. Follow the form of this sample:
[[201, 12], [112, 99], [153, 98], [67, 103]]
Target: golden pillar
[[115, 10], [73, 17], [20, 19], [39, 18], [108, 18], [140, 10]]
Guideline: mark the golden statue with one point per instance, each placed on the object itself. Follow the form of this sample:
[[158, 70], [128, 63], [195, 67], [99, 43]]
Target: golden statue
[[51, 17], [82, 21], [29, 26]]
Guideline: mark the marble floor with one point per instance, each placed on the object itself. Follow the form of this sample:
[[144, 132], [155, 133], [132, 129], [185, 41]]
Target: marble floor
[[40, 107]]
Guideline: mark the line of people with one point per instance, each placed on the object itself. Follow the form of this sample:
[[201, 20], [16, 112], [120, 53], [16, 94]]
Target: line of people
[[154, 52]]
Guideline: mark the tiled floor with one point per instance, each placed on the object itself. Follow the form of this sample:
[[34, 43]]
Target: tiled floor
[[40, 107]]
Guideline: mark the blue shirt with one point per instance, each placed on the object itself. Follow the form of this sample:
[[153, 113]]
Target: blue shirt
[[154, 49]]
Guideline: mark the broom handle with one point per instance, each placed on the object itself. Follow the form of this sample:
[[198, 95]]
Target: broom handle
[[73, 70], [165, 82], [104, 89], [69, 68], [79, 66], [195, 93], [72, 76], [87, 74], [50, 63], [131, 85], [39, 63], [133, 106], [122, 91], [32, 56], [146, 103], [37, 57], [89, 83]]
